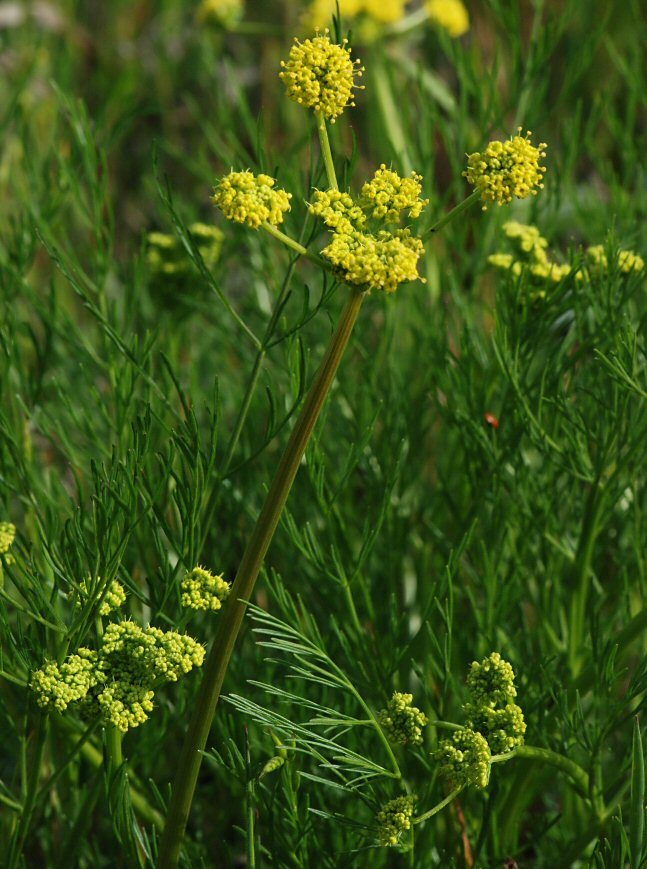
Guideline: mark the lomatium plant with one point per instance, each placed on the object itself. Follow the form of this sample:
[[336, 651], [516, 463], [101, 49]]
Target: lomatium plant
[[334, 433]]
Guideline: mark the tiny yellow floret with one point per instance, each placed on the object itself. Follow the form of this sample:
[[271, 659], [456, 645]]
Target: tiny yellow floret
[[378, 12], [202, 590], [320, 75], [450, 14], [251, 199], [507, 169]]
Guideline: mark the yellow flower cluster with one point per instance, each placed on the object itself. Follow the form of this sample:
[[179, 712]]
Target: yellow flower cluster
[[465, 758], [507, 169], [7, 537], [628, 261], [535, 261], [394, 819], [320, 75], [167, 258], [338, 210], [403, 722], [382, 261], [388, 194], [203, 591], [450, 14], [222, 13], [251, 199], [115, 596], [321, 12], [117, 682]]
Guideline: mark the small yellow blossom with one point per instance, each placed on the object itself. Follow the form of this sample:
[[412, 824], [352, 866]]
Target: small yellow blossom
[[529, 238], [114, 598], [507, 169], [381, 261], [630, 261], [338, 210], [320, 12], [394, 819], [203, 591], [222, 13], [465, 758], [7, 537], [402, 721], [320, 75], [450, 14], [387, 195], [251, 199]]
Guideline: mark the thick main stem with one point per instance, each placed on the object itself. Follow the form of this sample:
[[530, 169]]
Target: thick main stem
[[243, 586], [326, 153]]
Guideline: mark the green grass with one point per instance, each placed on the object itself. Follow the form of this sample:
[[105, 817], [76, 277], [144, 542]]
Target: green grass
[[141, 423]]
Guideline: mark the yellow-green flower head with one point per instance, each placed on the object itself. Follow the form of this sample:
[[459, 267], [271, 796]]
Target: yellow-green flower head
[[528, 237], [7, 536], [115, 596], [387, 195], [630, 261], [450, 14], [146, 655], [501, 260], [491, 681], [382, 261], [507, 169], [394, 819], [503, 727], [338, 210], [320, 12], [251, 199], [403, 722], [56, 687], [320, 75], [222, 13], [125, 704], [465, 758], [203, 591]]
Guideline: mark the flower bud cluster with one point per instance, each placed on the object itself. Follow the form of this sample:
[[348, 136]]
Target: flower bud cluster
[[382, 261], [507, 169], [117, 683], [251, 199], [320, 75], [7, 537], [465, 758], [114, 598], [167, 258], [203, 591], [494, 725], [394, 819], [403, 722]]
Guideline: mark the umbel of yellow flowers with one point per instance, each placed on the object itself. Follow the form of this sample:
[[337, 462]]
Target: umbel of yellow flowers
[[320, 75], [507, 169], [251, 199]]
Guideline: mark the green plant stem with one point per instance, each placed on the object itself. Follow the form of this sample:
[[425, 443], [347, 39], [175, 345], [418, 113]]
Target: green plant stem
[[243, 586], [326, 153], [573, 770], [114, 751], [455, 212], [439, 807], [291, 243], [30, 791]]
